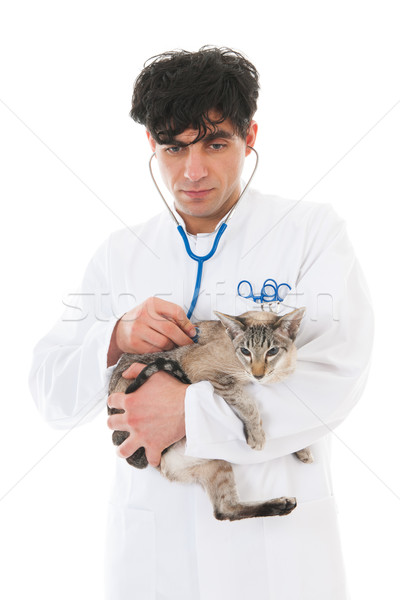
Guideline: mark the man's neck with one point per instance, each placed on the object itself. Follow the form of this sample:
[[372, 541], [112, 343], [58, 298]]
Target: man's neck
[[195, 225]]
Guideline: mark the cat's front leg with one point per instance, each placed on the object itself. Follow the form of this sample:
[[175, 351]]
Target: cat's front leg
[[255, 436], [247, 410]]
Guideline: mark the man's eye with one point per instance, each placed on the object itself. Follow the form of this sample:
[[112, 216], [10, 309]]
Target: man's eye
[[218, 146], [173, 149]]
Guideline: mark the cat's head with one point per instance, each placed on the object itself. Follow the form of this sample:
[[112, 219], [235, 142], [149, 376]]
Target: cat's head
[[264, 342]]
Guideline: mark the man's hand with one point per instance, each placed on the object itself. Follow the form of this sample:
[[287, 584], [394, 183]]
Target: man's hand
[[153, 326], [154, 414]]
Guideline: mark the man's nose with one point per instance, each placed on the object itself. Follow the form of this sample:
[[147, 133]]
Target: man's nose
[[195, 166]]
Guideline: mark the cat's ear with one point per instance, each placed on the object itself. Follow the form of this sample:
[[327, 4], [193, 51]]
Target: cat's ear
[[290, 323], [233, 325]]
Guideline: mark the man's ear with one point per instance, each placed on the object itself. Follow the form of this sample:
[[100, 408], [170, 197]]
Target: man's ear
[[152, 141], [251, 136], [233, 325]]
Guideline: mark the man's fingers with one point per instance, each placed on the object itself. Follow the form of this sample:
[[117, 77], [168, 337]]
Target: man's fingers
[[133, 371], [154, 325], [146, 339], [116, 400], [117, 422], [179, 317], [128, 447], [153, 456], [187, 326], [174, 333], [132, 443], [157, 335], [171, 311]]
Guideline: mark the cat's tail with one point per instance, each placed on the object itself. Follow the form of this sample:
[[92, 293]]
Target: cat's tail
[[160, 364]]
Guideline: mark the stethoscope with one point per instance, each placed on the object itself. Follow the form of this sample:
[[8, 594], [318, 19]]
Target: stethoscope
[[202, 259]]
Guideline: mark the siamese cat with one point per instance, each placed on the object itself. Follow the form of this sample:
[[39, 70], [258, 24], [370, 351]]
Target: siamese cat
[[257, 346]]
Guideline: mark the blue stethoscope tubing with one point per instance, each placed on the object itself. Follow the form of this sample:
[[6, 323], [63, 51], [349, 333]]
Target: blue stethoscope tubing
[[202, 259]]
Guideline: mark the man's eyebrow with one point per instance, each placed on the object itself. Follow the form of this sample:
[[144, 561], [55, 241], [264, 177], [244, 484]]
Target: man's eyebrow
[[219, 134], [213, 135]]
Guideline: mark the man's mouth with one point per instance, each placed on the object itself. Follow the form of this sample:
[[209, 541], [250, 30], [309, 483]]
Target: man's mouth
[[197, 193]]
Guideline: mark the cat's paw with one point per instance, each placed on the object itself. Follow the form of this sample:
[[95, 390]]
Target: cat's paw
[[284, 506], [305, 455], [255, 438]]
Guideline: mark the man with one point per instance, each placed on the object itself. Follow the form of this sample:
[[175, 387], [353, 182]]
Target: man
[[164, 542]]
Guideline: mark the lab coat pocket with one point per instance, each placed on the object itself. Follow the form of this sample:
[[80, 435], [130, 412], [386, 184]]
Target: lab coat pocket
[[306, 544], [130, 554]]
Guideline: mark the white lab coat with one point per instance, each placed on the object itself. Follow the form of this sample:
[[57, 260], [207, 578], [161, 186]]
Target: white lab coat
[[163, 541]]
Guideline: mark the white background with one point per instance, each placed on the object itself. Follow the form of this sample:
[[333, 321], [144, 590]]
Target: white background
[[73, 168]]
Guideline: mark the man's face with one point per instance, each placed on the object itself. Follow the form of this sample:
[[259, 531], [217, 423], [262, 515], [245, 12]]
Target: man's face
[[204, 178]]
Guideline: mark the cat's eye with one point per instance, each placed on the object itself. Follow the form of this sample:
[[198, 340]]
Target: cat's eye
[[245, 351], [272, 351]]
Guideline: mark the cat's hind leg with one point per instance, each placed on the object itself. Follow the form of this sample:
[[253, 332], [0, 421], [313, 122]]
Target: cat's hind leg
[[217, 478]]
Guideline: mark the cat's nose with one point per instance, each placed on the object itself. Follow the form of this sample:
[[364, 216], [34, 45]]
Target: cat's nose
[[258, 376]]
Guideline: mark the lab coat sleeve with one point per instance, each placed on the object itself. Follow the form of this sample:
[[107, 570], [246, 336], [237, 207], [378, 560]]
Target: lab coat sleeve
[[69, 375], [334, 346]]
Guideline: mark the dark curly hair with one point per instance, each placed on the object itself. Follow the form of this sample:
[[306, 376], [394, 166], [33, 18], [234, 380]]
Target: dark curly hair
[[177, 90]]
